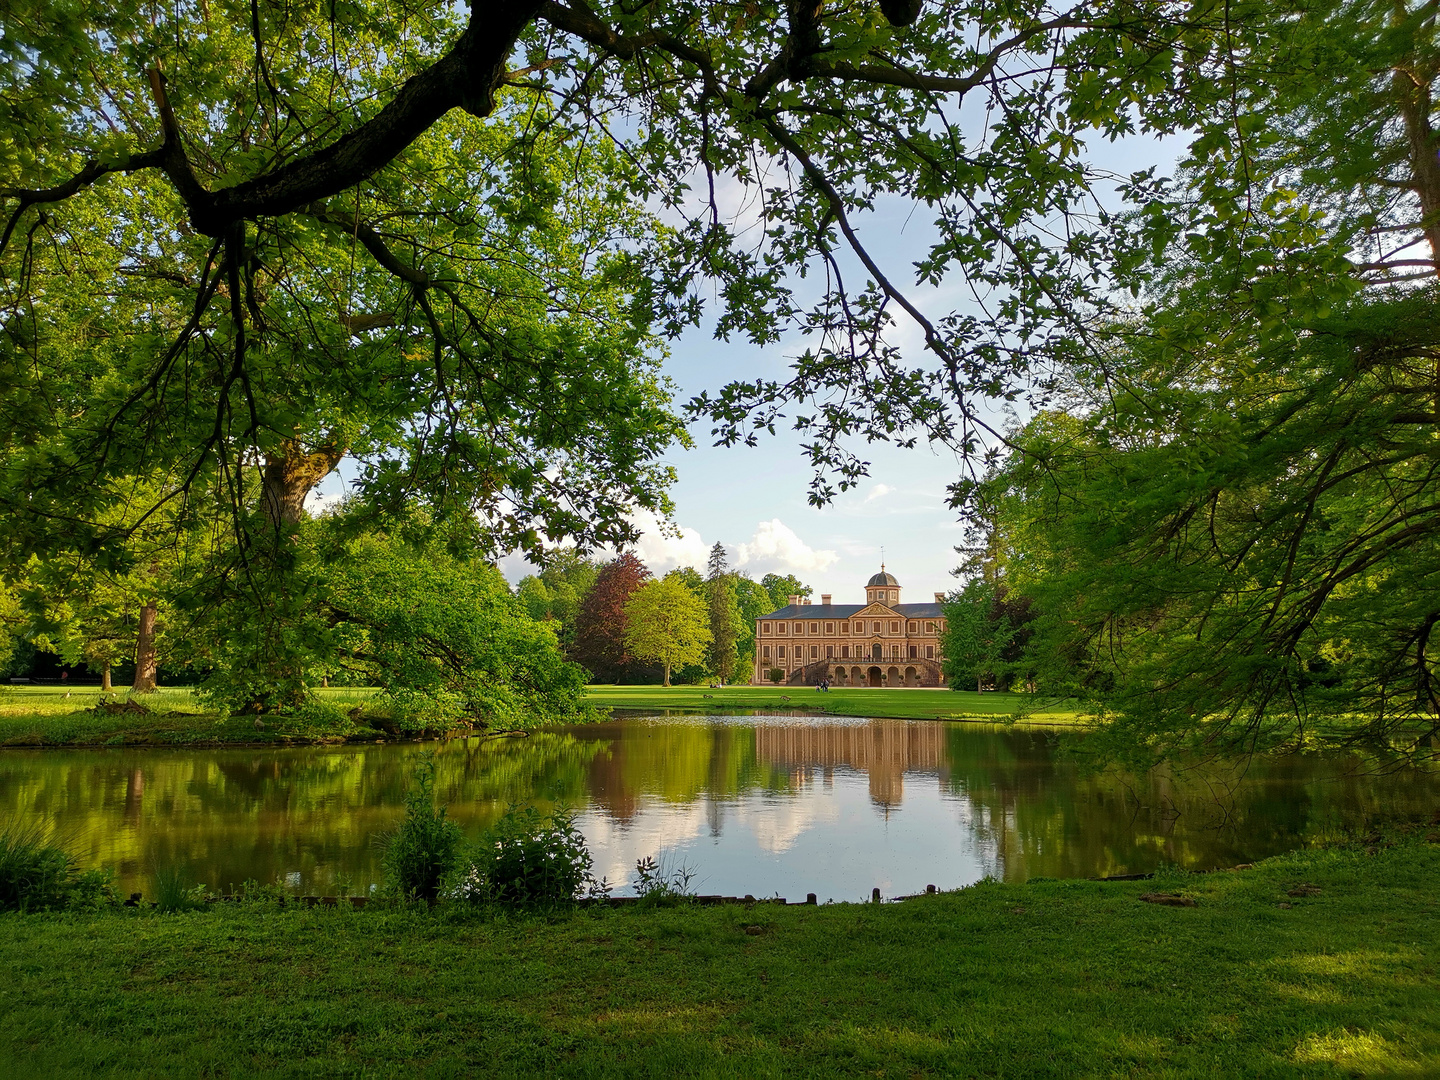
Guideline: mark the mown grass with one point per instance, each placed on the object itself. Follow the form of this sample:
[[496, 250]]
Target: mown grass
[[1045, 979], [46, 716], [903, 704]]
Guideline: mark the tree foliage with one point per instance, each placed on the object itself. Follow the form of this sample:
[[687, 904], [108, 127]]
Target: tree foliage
[[600, 627], [1231, 534], [666, 622], [726, 626], [412, 233], [780, 589]]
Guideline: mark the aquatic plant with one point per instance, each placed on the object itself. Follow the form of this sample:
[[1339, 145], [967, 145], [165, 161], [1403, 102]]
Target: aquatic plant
[[175, 892], [37, 874], [658, 884], [426, 846]]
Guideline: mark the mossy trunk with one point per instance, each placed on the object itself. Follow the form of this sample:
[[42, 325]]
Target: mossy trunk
[[147, 661]]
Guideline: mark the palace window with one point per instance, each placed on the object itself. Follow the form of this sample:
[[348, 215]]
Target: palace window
[[765, 628], [781, 628], [814, 628], [844, 628], [829, 628], [799, 628], [894, 596], [859, 627], [814, 652], [765, 652], [895, 652], [929, 628], [929, 652], [914, 652], [845, 652], [875, 627], [829, 652], [912, 628], [780, 651]]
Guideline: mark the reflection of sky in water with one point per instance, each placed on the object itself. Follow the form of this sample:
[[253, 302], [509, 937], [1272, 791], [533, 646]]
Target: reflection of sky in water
[[754, 804], [825, 836]]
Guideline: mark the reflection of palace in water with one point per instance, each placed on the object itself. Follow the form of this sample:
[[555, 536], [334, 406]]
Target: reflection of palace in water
[[885, 752]]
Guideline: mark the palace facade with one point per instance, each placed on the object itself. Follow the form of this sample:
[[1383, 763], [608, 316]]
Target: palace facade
[[881, 642]]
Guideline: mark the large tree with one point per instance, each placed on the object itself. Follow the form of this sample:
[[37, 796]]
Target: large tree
[[666, 622], [725, 623], [1232, 534], [309, 231], [600, 642]]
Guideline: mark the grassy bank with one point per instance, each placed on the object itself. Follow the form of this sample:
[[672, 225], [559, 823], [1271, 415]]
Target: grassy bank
[[911, 704], [1261, 978], [52, 716], [55, 716]]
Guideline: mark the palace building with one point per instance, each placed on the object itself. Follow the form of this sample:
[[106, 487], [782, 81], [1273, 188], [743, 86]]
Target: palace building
[[881, 642]]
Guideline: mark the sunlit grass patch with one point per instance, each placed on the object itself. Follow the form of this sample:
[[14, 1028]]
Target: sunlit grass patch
[[879, 702], [1360, 1053]]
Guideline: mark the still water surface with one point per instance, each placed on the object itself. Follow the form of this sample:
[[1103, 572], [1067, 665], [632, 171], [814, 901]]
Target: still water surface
[[754, 804]]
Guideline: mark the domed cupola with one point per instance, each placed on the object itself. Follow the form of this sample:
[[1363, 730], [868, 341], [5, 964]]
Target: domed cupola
[[882, 588]]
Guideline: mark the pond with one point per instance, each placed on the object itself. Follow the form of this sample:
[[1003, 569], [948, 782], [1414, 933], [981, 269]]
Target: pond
[[753, 804]]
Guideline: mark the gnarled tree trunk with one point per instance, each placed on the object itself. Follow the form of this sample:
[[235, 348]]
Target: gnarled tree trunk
[[289, 476], [146, 659]]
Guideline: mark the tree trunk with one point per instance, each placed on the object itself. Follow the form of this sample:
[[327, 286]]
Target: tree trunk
[[667, 672], [290, 475], [146, 660], [105, 686]]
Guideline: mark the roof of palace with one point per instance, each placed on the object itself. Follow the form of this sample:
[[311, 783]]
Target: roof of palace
[[882, 578], [845, 611]]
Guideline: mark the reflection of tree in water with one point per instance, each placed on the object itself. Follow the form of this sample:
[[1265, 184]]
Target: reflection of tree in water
[[675, 763], [1045, 815], [227, 815]]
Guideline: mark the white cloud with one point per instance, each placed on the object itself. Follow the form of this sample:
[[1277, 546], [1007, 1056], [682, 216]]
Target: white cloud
[[879, 491], [775, 547], [664, 547]]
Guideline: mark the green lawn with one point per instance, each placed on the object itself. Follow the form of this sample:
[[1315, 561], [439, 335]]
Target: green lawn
[[845, 701], [1046, 979], [46, 716]]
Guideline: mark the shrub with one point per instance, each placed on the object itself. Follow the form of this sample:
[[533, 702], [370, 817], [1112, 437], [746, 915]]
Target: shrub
[[426, 846], [527, 859], [775, 674], [658, 885], [36, 875]]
